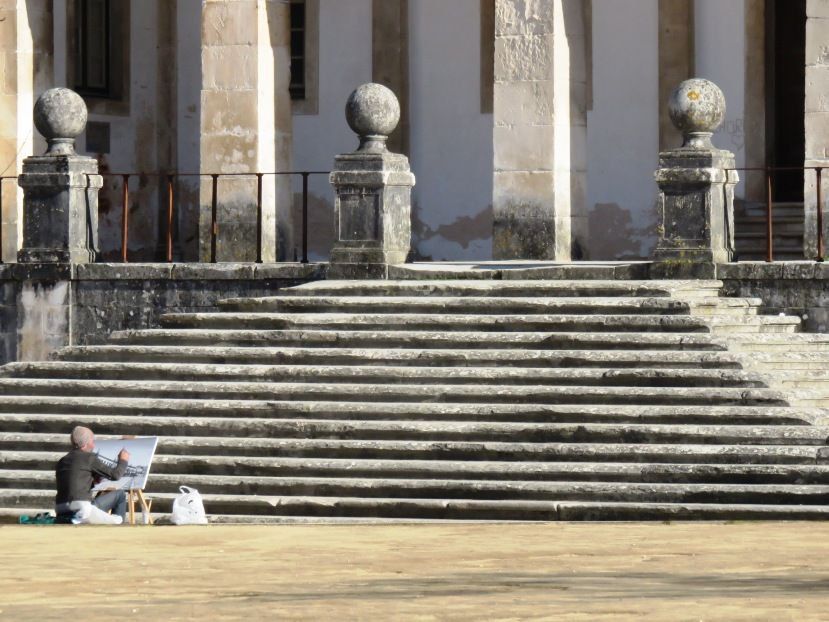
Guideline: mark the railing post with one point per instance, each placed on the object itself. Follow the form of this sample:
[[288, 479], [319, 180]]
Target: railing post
[[769, 219], [125, 217], [169, 219], [819, 172], [259, 217], [305, 217], [214, 208]]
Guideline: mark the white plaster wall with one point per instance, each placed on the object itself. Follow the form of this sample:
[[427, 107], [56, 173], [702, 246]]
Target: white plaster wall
[[623, 129], [344, 63], [720, 57], [451, 141]]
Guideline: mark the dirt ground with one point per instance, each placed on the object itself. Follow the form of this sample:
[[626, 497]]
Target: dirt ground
[[681, 571]]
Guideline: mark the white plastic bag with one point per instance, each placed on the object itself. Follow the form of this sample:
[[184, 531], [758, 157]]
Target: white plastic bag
[[188, 508]]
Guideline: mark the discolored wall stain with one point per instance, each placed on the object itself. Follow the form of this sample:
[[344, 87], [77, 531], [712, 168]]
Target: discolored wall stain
[[463, 231], [613, 236]]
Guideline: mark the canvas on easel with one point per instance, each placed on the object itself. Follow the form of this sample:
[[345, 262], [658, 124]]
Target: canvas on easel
[[142, 451]]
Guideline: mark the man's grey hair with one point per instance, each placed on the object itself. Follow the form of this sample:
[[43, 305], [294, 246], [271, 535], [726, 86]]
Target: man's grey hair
[[81, 437]]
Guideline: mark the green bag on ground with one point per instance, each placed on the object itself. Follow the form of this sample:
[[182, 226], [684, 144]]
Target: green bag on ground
[[44, 518]]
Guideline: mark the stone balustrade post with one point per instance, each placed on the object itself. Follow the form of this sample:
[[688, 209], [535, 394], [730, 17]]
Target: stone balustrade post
[[373, 191], [60, 188], [696, 188]]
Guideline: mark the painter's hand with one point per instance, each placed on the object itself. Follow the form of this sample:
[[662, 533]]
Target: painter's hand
[[124, 455]]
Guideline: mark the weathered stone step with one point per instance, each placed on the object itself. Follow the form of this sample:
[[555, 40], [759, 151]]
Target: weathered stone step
[[724, 306], [463, 489], [423, 321], [753, 324], [464, 304], [709, 453], [512, 288], [464, 509], [515, 432], [419, 339], [185, 467], [384, 375], [484, 393], [461, 357], [106, 414], [772, 344]]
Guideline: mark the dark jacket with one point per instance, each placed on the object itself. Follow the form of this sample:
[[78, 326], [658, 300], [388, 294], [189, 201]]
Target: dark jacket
[[76, 474]]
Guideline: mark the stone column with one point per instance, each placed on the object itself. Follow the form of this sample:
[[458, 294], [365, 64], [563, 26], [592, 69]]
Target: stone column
[[696, 188], [817, 122], [540, 128], [26, 56], [373, 191], [60, 188], [246, 126]]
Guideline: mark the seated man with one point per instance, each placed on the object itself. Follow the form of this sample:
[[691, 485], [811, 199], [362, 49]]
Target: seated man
[[76, 474]]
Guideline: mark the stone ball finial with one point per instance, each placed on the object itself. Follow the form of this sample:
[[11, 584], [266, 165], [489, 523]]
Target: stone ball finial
[[60, 116], [697, 109], [372, 112]]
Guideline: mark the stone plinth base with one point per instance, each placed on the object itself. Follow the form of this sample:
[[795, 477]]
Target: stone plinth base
[[373, 214], [60, 219], [696, 206]]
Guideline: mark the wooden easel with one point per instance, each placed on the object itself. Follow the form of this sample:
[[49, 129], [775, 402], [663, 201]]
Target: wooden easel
[[137, 494]]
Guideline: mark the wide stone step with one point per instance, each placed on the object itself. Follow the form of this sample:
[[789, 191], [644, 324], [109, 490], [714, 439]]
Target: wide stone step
[[418, 321], [752, 324], [463, 489], [462, 357], [106, 414], [484, 393], [419, 339], [459, 304], [188, 467], [513, 432], [384, 375], [513, 288], [465, 509], [708, 451]]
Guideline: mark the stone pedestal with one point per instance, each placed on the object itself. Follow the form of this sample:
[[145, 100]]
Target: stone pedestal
[[60, 209], [373, 214], [696, 189], [373, 192], [60, 188]]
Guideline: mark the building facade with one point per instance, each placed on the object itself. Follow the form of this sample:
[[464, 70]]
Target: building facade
[[533, 126]]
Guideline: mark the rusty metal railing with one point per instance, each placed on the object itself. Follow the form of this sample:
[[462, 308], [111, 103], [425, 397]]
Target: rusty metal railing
[[769, 172], [170, 179]]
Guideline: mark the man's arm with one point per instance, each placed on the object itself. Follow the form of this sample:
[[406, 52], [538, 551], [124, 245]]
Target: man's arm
[[103, 470]]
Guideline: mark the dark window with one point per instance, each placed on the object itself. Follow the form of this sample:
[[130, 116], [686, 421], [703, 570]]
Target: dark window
[[94, 49], [298, 22]]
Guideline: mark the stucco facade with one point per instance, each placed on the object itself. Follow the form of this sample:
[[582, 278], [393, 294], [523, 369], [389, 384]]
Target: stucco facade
[[533, 126]]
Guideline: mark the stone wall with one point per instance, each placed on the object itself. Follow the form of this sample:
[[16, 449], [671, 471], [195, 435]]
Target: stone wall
[[43, 308], [795, 288]]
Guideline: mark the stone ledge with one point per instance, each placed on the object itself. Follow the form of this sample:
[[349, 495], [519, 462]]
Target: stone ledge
[[786, 270], [160, 271]]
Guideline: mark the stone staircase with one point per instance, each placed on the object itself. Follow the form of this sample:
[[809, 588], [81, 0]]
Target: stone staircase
[[787, 231], [448, 399]]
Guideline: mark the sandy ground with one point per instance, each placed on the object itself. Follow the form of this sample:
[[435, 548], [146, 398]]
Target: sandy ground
[[681, 571]]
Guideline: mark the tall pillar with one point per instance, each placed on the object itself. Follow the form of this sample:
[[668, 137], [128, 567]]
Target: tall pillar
[[816, 121], [245, 127], [539, 134], [26, 56]]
